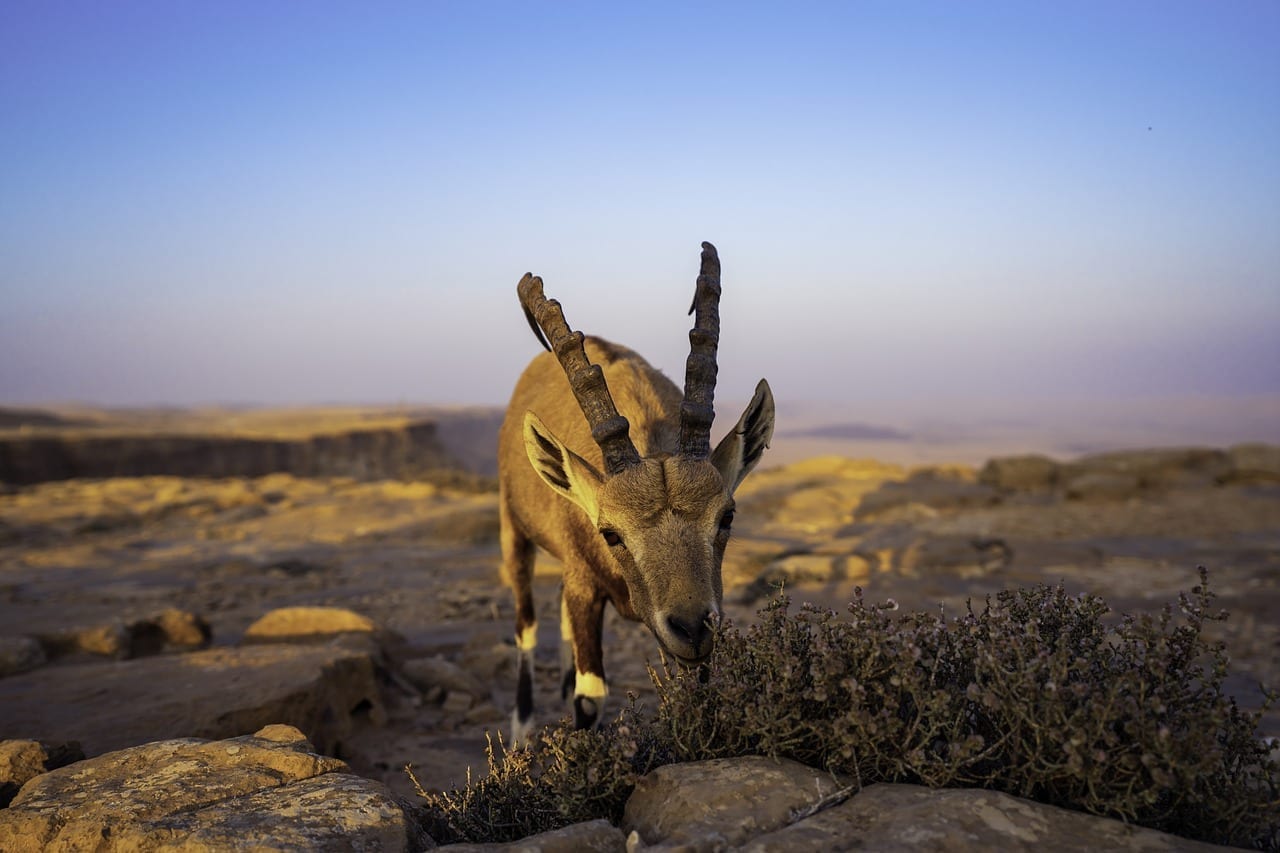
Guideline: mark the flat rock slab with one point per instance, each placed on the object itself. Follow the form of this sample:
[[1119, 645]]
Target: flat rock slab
[[214, 693], [905, 818], [268, 791]]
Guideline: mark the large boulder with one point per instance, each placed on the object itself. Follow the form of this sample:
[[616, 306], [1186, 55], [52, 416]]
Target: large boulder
[[761, 804], [219, 692], [268, 791], [1029, 473]]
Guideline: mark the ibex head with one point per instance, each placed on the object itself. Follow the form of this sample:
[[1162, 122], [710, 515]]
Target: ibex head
[[664, 518]]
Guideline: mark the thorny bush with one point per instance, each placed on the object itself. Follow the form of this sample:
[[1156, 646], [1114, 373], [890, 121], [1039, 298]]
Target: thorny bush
[[1033, 694]]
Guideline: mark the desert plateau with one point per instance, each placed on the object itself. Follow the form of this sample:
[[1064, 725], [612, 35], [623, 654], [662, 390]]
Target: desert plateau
[[205, 574]]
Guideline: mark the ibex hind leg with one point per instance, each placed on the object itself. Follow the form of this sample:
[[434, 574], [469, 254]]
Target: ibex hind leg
[[518, 554], [567, 680]]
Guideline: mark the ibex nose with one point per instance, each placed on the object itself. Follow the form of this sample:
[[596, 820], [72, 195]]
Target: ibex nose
[[691, 635]]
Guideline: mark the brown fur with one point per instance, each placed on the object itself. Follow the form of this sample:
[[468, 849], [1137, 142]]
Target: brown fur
[[669, 511]]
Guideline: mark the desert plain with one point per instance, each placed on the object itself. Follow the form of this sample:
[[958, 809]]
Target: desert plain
[[138, 549]]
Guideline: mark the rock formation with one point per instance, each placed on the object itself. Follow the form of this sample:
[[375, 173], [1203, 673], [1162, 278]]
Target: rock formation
[[272, 791], [404, 452], [269, 791]]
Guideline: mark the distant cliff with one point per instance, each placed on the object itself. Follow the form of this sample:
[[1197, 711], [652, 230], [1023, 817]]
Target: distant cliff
[[408, 451]]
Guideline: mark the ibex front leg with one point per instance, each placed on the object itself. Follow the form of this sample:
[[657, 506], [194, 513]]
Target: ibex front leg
[[583, 616]]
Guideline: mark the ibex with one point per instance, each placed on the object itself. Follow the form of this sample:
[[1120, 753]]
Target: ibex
[[607, 466]]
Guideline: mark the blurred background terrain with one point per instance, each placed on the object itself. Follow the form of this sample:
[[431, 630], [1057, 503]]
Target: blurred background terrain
[[144, 556]]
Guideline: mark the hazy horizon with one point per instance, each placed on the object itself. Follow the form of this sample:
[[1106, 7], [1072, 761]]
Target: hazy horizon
[[310, 203], [905, 431]]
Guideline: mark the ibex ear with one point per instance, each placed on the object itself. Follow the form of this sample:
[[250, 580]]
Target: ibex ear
[[740, 450], [560, 468]]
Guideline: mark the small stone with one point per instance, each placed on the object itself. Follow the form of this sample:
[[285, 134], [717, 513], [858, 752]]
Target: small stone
[[110, 640], [281, 733], [485, 713], [19, 654], [183, 629], [457, 702], [428, 673]]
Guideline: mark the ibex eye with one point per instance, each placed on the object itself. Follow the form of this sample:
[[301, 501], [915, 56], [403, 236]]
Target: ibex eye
[[611, 538], [726, 520]]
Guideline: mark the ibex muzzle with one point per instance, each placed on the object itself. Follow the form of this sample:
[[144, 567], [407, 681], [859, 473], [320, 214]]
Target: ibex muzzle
[[605, 464]]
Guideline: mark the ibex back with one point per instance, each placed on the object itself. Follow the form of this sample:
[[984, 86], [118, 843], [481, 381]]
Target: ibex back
[[607, 466]]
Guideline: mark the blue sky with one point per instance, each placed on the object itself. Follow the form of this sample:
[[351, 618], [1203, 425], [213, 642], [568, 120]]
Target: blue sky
[[332, 202]]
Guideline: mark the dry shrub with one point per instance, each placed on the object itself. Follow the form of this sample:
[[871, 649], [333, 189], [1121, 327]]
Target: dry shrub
[[564, 777], [1034, 694]]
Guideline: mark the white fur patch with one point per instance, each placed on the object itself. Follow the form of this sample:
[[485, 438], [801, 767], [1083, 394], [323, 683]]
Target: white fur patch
[[590, 685], [528, 639]]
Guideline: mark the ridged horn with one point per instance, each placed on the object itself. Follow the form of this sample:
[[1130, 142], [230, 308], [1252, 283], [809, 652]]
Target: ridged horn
[[697, 411], [609, 429]]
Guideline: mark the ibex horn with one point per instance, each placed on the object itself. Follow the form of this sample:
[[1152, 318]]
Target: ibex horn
[[609, 429], [698, 409]]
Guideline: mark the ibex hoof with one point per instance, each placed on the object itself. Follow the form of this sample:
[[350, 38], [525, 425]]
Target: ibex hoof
[[521, 732], [585, 712]]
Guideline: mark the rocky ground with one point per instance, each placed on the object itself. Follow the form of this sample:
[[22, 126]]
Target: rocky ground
[[272, 790], [129, 604]]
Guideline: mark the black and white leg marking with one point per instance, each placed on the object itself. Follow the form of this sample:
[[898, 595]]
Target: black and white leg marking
[[522, 717], [585, 617]]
